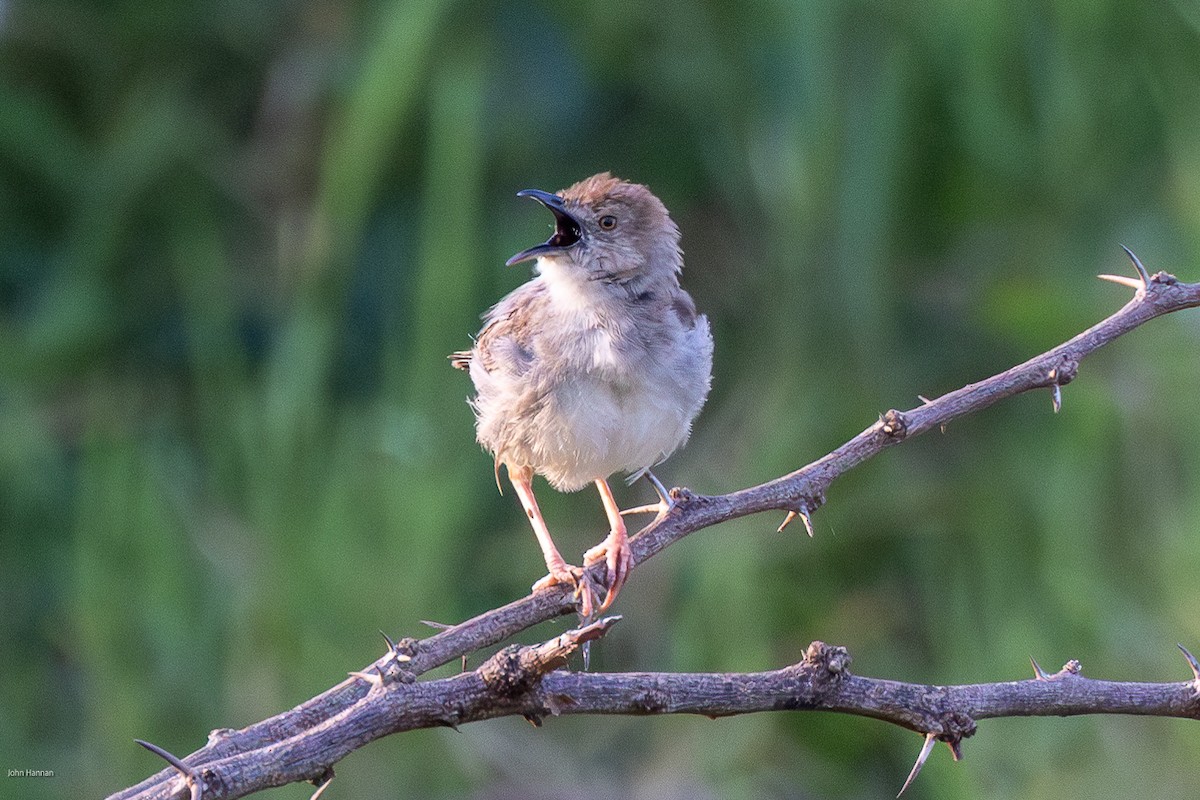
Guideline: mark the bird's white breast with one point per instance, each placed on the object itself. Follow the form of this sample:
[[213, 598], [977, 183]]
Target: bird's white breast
[[597, 399]]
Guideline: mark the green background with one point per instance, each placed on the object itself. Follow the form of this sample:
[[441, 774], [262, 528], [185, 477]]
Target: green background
[[237, 241]]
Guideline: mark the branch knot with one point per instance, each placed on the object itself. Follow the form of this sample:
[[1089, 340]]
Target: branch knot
[[684, 496], [956, 726], [1064, 372], [651, 701], [828, 663], [518, 668], [507, 674], [894, 424]]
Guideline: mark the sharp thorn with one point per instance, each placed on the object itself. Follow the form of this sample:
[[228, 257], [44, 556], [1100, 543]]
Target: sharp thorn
[[647, 509], [1191, 659], [1132, 283], [391, 645], [955, 746], [1038, 673], [1056, 397], [375, 679], [170, 758], [926, 749], [1137, 264], [803, 514], [328, 779], [437, 626], [594, 630], [662, 507], [195, 786], [659, 489]]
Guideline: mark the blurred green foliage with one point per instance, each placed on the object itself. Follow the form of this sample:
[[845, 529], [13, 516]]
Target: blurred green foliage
[[238, 240]]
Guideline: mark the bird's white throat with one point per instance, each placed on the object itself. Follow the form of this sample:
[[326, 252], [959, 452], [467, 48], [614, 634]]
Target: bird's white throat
[[581, 306], [570, 286]]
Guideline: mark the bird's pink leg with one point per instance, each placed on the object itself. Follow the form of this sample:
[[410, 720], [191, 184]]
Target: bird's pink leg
[[560, 570], [613, 551]]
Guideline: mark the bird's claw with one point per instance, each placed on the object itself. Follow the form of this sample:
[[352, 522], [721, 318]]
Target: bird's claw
[[585, 588], [618, 560]]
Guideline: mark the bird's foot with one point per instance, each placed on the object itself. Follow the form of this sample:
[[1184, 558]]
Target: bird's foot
[[615, 554], [586, 594]]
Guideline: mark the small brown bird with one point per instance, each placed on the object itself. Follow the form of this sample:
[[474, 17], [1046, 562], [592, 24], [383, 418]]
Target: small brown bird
[[597, 365]]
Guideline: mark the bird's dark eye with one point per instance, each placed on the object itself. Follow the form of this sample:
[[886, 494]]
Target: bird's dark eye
[[608, 222]]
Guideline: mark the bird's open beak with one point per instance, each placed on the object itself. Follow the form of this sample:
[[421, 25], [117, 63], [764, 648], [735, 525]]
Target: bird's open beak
[[567, 231]]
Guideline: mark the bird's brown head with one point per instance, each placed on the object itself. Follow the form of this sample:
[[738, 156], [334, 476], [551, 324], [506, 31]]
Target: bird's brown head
[[609, 230]]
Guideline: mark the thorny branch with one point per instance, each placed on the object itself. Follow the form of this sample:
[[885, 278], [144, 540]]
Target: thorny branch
[[385, 697]]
